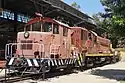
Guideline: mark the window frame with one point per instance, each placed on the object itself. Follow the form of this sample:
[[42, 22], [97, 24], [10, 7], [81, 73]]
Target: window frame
[[53, 29], [43, 28], [65, 31], [82, 34], [31, 27], [39, 26]]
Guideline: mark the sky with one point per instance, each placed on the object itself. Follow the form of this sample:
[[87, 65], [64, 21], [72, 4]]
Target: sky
[[88, 6]]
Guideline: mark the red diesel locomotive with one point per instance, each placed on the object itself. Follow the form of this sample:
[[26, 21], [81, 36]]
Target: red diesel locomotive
[[47, 44]]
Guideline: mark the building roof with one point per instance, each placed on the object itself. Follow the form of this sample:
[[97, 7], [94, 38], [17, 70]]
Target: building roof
[[48, 8]]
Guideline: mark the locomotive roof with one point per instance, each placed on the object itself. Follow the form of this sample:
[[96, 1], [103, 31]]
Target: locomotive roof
[[94, 33], [80, 28], [38, 19], [66, 25], [102, 38]]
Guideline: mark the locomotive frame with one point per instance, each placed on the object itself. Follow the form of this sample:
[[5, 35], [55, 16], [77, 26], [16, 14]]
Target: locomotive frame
[[54, 46]]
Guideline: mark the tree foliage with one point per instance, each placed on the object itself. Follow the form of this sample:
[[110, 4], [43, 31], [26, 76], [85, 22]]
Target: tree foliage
[[113, 20], [75, 5]]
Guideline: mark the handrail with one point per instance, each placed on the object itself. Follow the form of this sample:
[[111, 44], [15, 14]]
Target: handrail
[[9, 50], [77, 43]]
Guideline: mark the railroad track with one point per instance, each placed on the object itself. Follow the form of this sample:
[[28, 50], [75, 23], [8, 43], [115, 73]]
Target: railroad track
[[11, 79], [15, 79]]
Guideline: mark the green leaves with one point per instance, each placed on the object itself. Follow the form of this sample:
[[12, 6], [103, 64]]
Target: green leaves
[[75, 5], [116, 23]]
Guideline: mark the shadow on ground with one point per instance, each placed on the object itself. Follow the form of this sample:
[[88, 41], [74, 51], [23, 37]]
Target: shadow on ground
[[110, 73]]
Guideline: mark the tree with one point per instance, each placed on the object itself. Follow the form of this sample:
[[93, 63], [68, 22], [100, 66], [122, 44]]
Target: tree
[[103, 25], [75, 5], [113, 22], [98, 21], [115, 9]]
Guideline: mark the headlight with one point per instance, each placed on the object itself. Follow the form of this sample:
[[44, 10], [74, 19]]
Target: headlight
[[26, 34]]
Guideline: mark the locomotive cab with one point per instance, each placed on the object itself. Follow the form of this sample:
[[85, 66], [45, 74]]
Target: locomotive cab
[[44, 43]]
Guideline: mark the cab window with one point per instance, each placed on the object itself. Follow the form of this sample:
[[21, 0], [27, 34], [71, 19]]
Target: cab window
[[47, 27], [36, 26], [65, 31], [55, 29]]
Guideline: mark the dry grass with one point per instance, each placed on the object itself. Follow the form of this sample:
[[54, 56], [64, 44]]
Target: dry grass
[[122, 81], [122, 51], [122, 56]]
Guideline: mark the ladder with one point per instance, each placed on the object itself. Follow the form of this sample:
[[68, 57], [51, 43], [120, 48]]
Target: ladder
[[54, 49]]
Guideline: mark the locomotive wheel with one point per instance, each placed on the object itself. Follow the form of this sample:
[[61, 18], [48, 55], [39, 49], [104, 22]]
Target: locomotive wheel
[[114, 59], [89, 62], [109, 60], [118, 59]]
